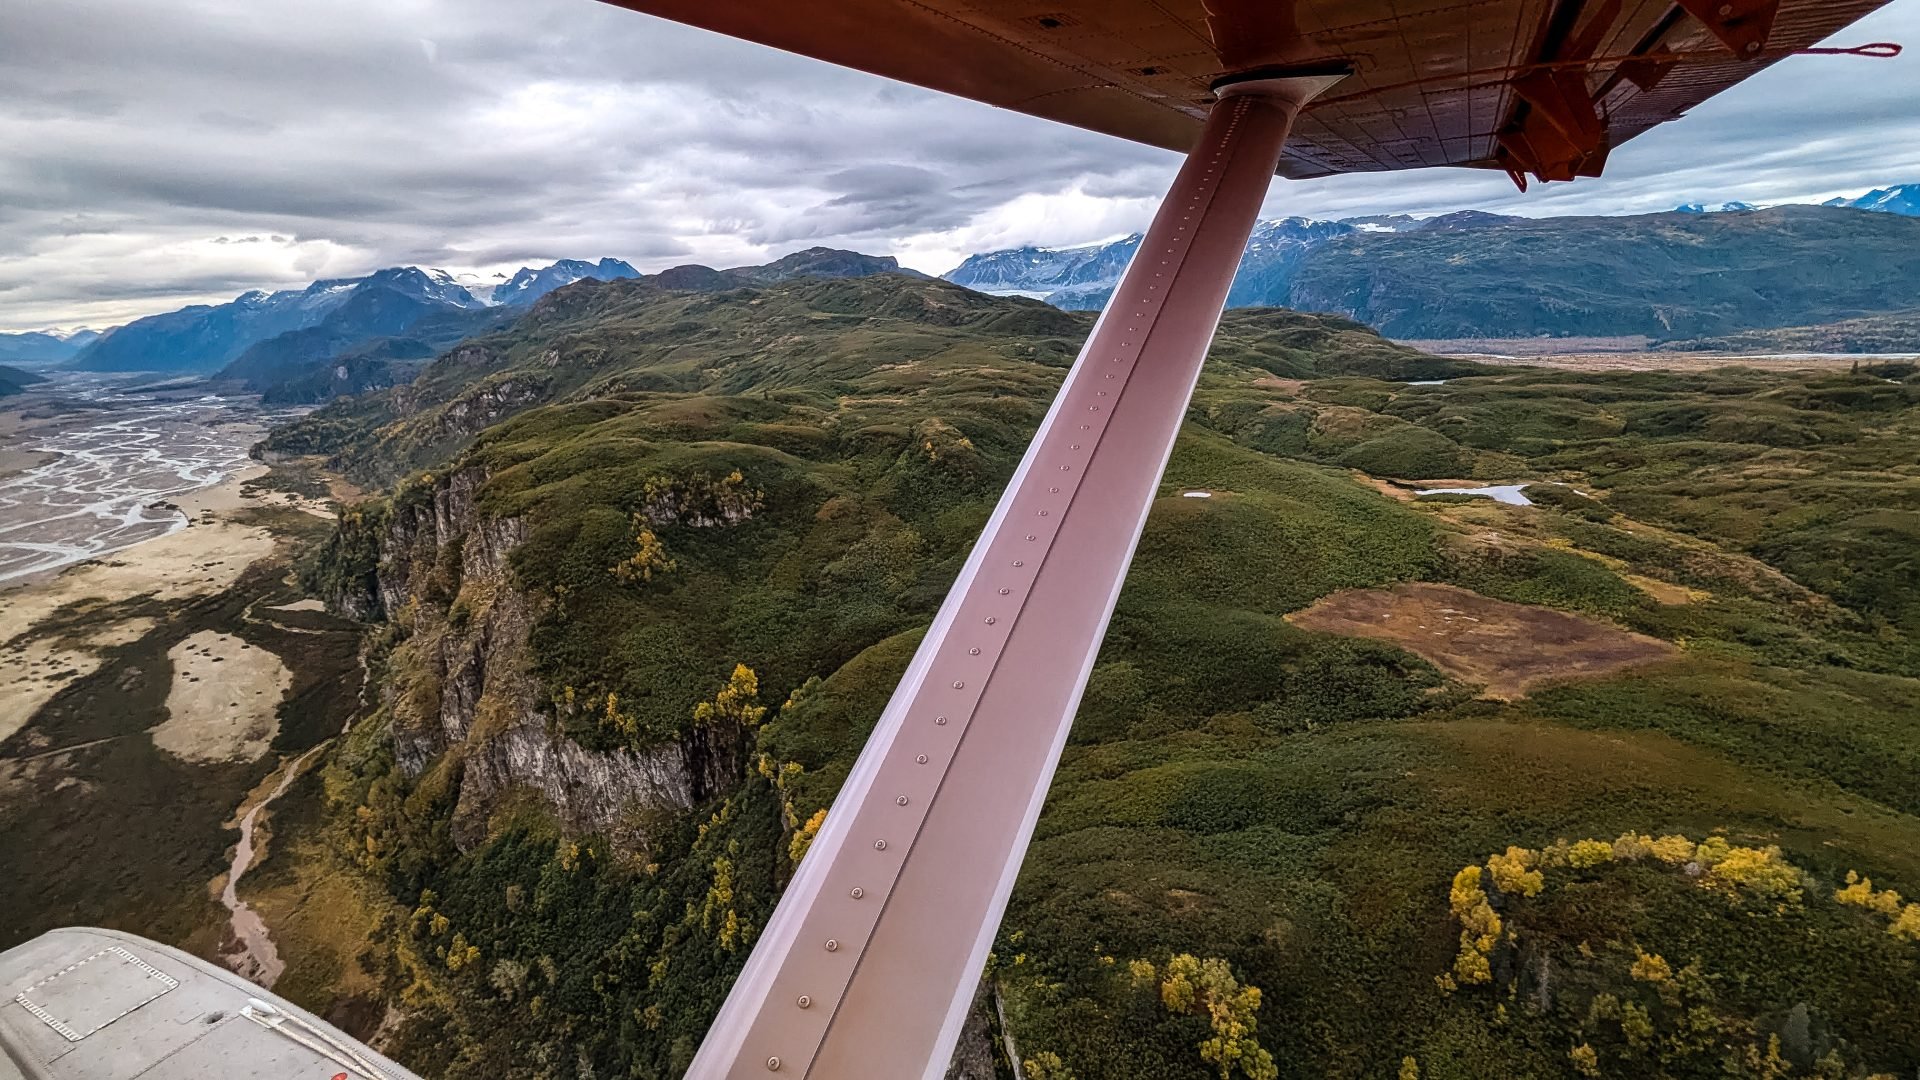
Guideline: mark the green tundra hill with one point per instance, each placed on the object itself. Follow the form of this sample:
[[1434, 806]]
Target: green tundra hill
[[1270, 850]]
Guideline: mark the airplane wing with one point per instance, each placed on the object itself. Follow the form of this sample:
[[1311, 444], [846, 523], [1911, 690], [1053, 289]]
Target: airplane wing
[[1540, 87]]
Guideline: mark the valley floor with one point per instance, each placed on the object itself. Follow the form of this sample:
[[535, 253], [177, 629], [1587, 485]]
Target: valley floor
[[142, 695]]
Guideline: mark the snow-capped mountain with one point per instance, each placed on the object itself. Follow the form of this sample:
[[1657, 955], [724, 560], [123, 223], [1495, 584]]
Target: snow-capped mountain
[[1713, 208], [528, 284], [1040, 271], [1082, 278], [208, 337], [1903, 199], [427, 286]]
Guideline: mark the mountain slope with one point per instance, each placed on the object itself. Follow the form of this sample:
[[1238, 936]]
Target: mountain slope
[[528, 284], [1473, 274], [203, 339], [597, 339], [14, 381], [1903, 199], [35, 347], [375, 338], [206, 337], [1894, 332], [1662, 275]]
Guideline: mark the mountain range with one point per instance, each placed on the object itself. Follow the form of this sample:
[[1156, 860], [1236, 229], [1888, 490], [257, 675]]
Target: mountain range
[[1694, 272], [347, 336], [43, 346], [1901, 199], [259, 330], [1702, 271]]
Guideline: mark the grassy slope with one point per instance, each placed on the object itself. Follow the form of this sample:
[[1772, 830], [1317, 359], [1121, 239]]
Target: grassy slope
[[1294, 802]]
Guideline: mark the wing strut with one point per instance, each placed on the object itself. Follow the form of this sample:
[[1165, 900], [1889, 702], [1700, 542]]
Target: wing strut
[[869, 963]]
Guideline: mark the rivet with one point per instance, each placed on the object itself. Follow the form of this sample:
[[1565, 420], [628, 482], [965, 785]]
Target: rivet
[[1019, 562], [1075, 446], [1066, 468], [1031, 536], [1054, 490], [940, 720], [804, 1002], [991, 620], [1103, 393], [1109, 374], [920, 759], [879, 845], [773, 1064], [901, 799], [958, 685], [1043, 513], [832, 945], [1003, 592], [857, 892], [973, 652]]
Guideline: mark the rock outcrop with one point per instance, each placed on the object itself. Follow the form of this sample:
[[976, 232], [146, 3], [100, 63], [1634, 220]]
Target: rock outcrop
[[458, 682]]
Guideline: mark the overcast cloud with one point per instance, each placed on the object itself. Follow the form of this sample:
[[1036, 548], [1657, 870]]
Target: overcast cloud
[[164, 152]]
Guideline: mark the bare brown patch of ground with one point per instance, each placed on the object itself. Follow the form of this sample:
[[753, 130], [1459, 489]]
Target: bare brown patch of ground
[[1275, 382], [1665, 592], [1385, 487], [308, 604], [1618, 354], [224, 699], [1534, 346], [1506, 648]]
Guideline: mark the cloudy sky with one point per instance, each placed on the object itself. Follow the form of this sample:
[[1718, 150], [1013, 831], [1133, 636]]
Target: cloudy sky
[[163, 152]]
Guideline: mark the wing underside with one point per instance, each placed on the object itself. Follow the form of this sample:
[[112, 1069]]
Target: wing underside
[[1534, 87]]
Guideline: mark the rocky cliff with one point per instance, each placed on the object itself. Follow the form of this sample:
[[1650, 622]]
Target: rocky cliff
[[459, 686]]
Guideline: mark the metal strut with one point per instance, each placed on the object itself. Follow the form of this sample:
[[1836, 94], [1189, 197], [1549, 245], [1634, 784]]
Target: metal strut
[[870, 961]]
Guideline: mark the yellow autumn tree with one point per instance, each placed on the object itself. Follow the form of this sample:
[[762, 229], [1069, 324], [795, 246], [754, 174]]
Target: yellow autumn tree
[[1585, 854], [738, 701], [649, 555], [803, 836], [1651, 968], [1514, 872], [1047, 1065], [1762, 872], [1907, 926], [1479, 928], [1859, 893], [1208, 986], [1673, 850]]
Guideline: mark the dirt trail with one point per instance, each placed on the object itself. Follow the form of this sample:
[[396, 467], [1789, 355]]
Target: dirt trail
[[255, 957]]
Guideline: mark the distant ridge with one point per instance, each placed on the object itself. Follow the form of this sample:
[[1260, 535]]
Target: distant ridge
[[204, 338], [383, 329], [1699, 271]]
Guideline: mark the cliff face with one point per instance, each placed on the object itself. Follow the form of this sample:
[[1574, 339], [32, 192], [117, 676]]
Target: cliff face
[[459, 682]]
